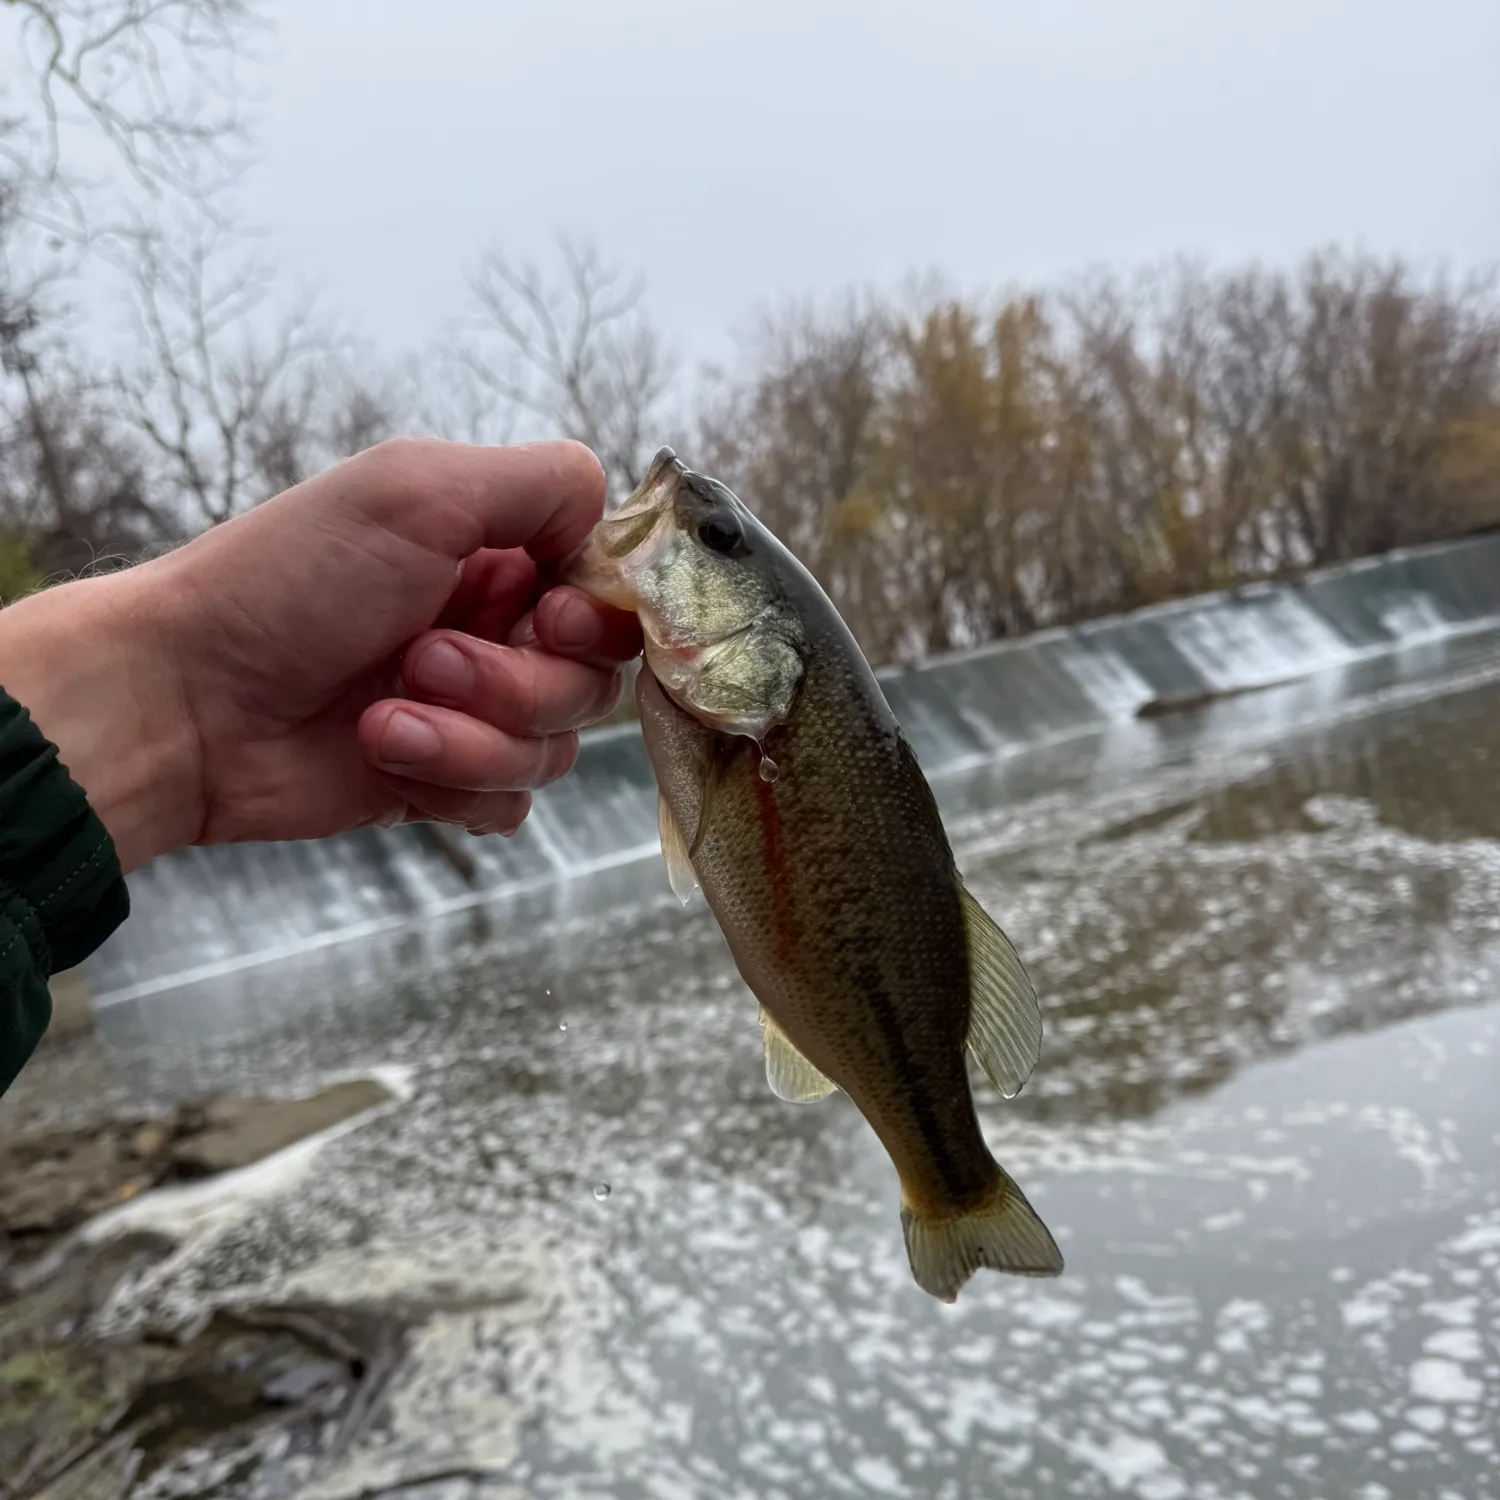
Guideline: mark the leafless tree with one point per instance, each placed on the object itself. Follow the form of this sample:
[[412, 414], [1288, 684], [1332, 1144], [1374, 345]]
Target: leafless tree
[[578, 351], [154, 80], [794, 430], [446, 391], [955, 470], [72, 492], [234, 402]]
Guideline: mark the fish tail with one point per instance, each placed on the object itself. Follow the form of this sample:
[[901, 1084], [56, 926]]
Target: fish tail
[[1003, 1232]]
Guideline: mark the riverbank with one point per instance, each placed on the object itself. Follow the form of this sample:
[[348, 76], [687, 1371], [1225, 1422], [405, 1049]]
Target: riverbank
[[86, 1411]]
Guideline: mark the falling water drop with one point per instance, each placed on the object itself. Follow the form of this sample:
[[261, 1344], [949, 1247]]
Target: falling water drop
[[562, 1025], [602, 1191], [769, 770]]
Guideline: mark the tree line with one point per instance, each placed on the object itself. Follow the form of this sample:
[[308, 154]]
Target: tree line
[[953, 467], [956, 470]]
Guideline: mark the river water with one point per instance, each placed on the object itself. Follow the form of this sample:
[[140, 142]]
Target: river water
[[1264, 1129]]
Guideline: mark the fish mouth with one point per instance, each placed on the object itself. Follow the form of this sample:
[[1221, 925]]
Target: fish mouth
[[627, 540]]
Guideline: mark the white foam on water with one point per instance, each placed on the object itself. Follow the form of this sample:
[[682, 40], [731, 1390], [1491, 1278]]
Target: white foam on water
[[1454, 1343], [1125, 1459], [1458, 1313], [1366, 1311], [1444, 1380], [1482, 1237], [879, 1476], [1427, 1419]]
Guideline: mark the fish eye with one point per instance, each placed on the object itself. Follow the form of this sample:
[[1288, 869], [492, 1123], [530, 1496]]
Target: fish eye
[[720, 534]]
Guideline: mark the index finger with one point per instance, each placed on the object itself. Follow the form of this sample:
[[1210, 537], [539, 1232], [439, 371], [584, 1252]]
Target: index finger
[[456, 498]]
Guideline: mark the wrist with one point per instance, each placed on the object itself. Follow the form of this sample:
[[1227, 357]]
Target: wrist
[[94, 664]]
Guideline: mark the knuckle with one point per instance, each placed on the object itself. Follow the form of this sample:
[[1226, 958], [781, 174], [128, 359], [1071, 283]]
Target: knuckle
[[460, 806], [501, 814], [402, 451], [520, 806], [562, 754], [607, 699], [393, 459], [526, 690], [402, 466]]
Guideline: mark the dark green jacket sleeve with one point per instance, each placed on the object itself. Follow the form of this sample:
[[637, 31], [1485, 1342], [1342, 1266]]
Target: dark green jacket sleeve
[[61, 890]]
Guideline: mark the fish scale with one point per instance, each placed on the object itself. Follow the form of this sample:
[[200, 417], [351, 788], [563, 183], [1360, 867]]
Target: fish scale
[[832, 880]]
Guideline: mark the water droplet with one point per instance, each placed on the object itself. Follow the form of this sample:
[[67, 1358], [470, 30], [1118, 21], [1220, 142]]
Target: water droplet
[[562, 1025], [769, 770], [548, 992], [602, 1191]]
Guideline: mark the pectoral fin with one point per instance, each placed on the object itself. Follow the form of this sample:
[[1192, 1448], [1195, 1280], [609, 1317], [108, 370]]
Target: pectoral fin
[[674, 850], [1005, 1021], [790, 1074], [683, 757]]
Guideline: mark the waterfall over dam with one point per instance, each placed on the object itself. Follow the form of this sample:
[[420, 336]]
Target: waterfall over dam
[[205, 911]]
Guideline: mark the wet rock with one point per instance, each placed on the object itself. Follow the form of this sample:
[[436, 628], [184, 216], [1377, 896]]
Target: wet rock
[[105, 1473], [1174, 703], [240, 1132], [58, 1395], [72, 1007], [83, 1417], [1182, 703], [50, 1183], [301, 1382], [150, 1139]]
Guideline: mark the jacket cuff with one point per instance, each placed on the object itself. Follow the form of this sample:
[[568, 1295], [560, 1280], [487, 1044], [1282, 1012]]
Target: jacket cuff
[[60, 880]]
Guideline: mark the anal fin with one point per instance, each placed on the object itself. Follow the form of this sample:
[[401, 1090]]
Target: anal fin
[[790, 1074], [1005, 1021], [674, 850]]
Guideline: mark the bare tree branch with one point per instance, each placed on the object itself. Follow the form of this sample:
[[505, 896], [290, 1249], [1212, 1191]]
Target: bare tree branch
[[234, 404], [576, 351], [154, 80]]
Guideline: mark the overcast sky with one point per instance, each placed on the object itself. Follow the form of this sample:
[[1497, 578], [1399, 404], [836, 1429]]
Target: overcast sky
[[734, 152]]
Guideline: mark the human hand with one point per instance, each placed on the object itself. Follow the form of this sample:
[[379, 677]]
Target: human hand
[[373, 646]]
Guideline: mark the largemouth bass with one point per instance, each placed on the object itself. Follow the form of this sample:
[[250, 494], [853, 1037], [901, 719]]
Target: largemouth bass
[[788, 792]]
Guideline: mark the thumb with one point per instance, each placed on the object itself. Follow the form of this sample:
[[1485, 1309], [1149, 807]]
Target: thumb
[[455, 498]]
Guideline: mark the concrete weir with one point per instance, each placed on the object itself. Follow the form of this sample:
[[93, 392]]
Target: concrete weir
[[206, 911]]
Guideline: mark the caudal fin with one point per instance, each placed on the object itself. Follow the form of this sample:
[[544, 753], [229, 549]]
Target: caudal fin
[[1004, 1234]]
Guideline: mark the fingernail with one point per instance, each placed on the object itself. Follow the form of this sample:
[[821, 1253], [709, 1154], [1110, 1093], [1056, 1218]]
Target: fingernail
[[442, 671], [576, 627], [524, 633], [407, 740]]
